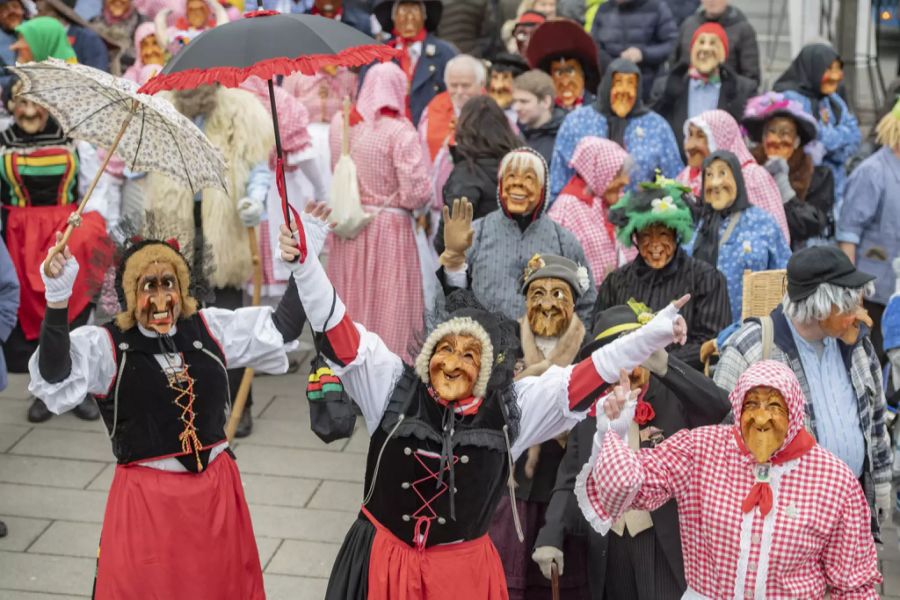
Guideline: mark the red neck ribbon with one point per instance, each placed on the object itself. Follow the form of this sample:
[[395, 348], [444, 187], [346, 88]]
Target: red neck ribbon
[[761, 493], [402, 43], [465, 407]]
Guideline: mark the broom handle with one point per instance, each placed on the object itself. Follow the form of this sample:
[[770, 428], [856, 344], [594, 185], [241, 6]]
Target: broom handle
[[75, 217], [345, 133]]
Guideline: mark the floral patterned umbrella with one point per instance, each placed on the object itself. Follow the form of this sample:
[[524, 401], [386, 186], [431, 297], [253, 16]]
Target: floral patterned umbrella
[[106, 111]]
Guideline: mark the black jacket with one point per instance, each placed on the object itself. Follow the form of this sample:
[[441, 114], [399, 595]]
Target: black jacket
[[707, 312], [477, 182], [542, 138], [683, 398], [671, 97], [645, 24], [471, 26], [743, 50]]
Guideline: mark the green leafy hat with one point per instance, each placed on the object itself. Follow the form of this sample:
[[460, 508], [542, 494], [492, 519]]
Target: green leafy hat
[[658, 202]]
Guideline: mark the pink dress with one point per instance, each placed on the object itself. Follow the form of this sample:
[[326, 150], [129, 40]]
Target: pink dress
[[377, 274], [723, 133], [596, 162]]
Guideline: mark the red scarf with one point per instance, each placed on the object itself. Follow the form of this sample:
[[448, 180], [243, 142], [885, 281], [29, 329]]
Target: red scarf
[[402, 43], [761, 492], [465, 407], [578, 188], [441, 123], [337, 14]]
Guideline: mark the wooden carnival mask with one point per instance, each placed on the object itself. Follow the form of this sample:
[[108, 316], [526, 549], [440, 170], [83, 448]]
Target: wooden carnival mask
[[764, 422], [623, 93], [409, 19], [696, 146], [613, 191], [197, 13], [780, 137], [329, 8], [832, 78], [151, 52], [707, 53], [12, 14], [656, 245], [568, 79], [521, 189], [155, 283], [31, 117], [549, 305], [118, 8], [719, 185], [455, 366], [500, 88]]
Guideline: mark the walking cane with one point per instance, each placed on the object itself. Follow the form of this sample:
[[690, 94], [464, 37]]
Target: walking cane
[[240, 399], [554, 580]]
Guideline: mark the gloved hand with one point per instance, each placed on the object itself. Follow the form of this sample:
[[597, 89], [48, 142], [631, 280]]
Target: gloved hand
[[780, 172], [63, 272], [658, 363], [458, 232], [250, 211], [316, 226], [884, 502], [545, 556], [615, 411]]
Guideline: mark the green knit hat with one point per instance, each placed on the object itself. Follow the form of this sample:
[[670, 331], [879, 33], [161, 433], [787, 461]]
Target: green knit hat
[[46, 38], [659, 202]]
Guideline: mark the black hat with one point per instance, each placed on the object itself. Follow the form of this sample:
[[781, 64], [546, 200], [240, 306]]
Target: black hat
[[384, 13], [810, 267], [614, 322], [505, 62]]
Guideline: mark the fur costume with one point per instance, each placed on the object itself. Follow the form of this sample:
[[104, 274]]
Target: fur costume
[[241, 129]]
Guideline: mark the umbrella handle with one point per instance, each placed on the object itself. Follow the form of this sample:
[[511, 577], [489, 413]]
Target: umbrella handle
[[75, 217]]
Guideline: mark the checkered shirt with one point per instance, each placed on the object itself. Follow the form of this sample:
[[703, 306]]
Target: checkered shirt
[[816, 538], [744, 348]]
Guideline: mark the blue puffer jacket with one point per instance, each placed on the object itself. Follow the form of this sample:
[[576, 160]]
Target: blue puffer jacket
[[648, 25]]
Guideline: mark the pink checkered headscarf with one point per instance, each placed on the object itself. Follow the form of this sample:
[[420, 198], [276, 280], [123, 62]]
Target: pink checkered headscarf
[[598, 161], [722, 133], [777, 375], [384, 86]]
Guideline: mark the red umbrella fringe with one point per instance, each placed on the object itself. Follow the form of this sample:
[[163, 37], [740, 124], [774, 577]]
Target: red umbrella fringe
[[267, 69]]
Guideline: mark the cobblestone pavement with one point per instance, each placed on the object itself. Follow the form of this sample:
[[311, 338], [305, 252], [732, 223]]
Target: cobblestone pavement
[[303, 495]]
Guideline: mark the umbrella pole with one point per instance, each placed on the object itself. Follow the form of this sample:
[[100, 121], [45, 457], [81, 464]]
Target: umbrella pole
[[240, 399], [75, 218]]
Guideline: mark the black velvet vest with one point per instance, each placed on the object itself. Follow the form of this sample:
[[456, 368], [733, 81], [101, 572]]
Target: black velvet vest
[[148, 422], [412, 456]]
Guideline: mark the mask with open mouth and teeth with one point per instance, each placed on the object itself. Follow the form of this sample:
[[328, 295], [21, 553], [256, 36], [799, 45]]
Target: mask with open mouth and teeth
[[656, 245], [154, 281], [523, 177], [455, 365], [549, 305]]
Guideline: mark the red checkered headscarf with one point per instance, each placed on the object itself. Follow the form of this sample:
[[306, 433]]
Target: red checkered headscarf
[[773, 374], [597, 161], [384, 87], [716, 30]]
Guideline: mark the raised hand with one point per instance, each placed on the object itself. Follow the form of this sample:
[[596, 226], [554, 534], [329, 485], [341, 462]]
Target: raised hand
[[458, 230], [60, 274], [288, 244], [315, 226]]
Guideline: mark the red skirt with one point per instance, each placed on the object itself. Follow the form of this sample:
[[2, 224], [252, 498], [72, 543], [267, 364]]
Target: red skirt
[[398, 571], [174, 536], [30, 232]]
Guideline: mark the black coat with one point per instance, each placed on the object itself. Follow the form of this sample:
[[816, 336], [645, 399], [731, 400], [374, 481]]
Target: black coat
[[477, 181], [683, 398], [671, 97], [542, 138], [471, 26], [743, 49], [645, 24], [707, 312]]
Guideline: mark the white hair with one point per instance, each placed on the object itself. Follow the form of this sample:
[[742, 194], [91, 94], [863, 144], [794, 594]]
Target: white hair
[[472, 64], [818, 306], [519, 160]]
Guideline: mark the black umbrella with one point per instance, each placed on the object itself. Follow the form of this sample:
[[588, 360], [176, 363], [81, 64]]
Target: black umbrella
[[268, 44]]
